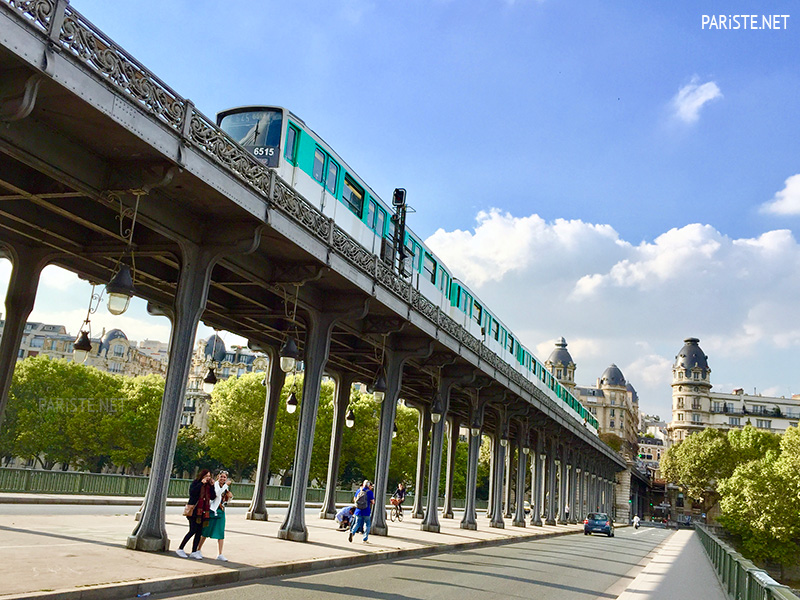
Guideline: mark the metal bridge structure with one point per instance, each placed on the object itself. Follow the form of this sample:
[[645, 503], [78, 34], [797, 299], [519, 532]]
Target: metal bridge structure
[[90, 140]]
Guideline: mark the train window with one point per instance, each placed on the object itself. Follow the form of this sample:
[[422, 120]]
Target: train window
[[444, 282], [291, 145], [496, 330], [353, 196], [373, 208], [380, 219], [430, 267], [477, 313], [510, 344], [333, 175], [318, 172]]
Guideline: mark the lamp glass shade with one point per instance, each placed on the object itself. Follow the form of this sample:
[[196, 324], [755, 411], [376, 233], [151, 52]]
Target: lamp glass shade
[[81, 347], [436, 417], [289, 355], [120, 290], [504, 442], [526, 450], [209, 381], [379, 387], [475, 431], [350, 418], [291, 403]]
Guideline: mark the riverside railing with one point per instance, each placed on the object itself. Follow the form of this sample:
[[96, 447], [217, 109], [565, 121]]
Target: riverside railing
[[740, 578], [36, 481]]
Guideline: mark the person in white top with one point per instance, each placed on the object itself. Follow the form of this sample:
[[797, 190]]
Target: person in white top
[[216, 522], [636, 521]]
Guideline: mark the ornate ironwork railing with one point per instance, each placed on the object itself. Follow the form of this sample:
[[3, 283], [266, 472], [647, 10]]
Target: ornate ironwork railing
[[71, 32]]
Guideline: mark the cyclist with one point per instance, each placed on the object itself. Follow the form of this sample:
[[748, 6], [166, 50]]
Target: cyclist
[[400, 495]]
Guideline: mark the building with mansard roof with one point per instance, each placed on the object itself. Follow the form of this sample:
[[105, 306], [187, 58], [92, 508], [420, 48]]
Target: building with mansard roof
[[695, 406]]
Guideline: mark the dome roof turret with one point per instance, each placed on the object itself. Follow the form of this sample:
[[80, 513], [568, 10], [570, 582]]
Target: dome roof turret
[[215, 345], [561, 355], [691, 356], [613, 376]]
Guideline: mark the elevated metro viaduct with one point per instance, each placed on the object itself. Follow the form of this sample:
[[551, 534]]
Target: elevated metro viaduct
[[91, 139]]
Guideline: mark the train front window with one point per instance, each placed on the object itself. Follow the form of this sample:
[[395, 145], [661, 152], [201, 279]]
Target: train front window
[[380, 219], [259, 131]]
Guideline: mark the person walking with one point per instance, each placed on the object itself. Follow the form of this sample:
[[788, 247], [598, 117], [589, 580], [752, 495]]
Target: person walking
[[216, 521], [197, 510], [364, 500]]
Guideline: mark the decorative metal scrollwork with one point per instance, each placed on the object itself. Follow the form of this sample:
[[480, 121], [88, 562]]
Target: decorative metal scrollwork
[[36, 11]]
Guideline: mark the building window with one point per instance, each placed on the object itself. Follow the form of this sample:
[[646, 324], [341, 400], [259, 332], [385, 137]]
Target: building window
[[115, 367], [611, 424], [612, 412], [696, 404], [680, 416], [735, 421], [718, 407], [119, 350], [697, 419], [680, 402], [763, 423], [793, 424]]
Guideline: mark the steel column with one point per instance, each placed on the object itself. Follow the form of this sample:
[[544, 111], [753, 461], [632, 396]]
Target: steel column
[[317, 347], [27, 263], [344, 383], [550, 519], [276, 379], [522, 459], [452, 443], [424, 425]]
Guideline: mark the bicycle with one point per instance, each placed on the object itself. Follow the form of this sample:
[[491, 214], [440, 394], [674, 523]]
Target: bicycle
[[396, 513]]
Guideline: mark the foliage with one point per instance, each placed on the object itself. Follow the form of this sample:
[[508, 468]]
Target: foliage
[[612, 440], [74, 415], [698, 462], [750, 443], [190, 451]]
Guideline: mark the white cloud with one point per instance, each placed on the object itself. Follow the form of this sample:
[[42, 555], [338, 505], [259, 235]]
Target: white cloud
[[785, 201], [692, 97], [633, 305]]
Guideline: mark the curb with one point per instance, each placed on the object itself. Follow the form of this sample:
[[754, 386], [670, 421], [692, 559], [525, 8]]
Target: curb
[[195, 582]]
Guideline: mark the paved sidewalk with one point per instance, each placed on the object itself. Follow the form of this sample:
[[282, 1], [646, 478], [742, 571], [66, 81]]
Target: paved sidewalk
[[83, 557], [680, 569]]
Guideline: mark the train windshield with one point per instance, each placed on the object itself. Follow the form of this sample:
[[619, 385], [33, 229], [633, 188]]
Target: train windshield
[[259, 131]]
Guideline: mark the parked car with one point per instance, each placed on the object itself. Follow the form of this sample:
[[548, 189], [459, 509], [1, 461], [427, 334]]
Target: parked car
[[598, 523]]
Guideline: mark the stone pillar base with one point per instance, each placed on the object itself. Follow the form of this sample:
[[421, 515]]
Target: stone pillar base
[[562, 521], [418, 515], [550, 522], [471, 526], [497, 524], [256, 516], [573, 521], [536, 522], [293, 536], [379, 530], [519, 523], [447, 515], [327, 515], [147, 544], [426, 527]]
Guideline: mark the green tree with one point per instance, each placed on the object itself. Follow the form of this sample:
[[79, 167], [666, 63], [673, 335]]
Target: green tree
[[235, 416], [190, 451], [750, 443], [761, 500], [131, 426], [699, 462]]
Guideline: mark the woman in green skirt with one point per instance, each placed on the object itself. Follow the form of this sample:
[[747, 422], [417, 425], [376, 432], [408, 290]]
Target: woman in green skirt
[[216, 521]]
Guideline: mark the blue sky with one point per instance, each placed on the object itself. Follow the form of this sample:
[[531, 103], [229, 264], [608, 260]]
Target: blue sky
[[605, 171]]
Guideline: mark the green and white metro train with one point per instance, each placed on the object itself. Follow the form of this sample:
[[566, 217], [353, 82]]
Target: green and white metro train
[[282, 141]]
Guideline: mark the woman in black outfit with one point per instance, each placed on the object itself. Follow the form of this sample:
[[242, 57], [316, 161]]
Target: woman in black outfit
[[201, 493]]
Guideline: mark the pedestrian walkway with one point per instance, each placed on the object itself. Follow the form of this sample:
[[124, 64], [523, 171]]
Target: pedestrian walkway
[[679, 569], [83, 556]]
